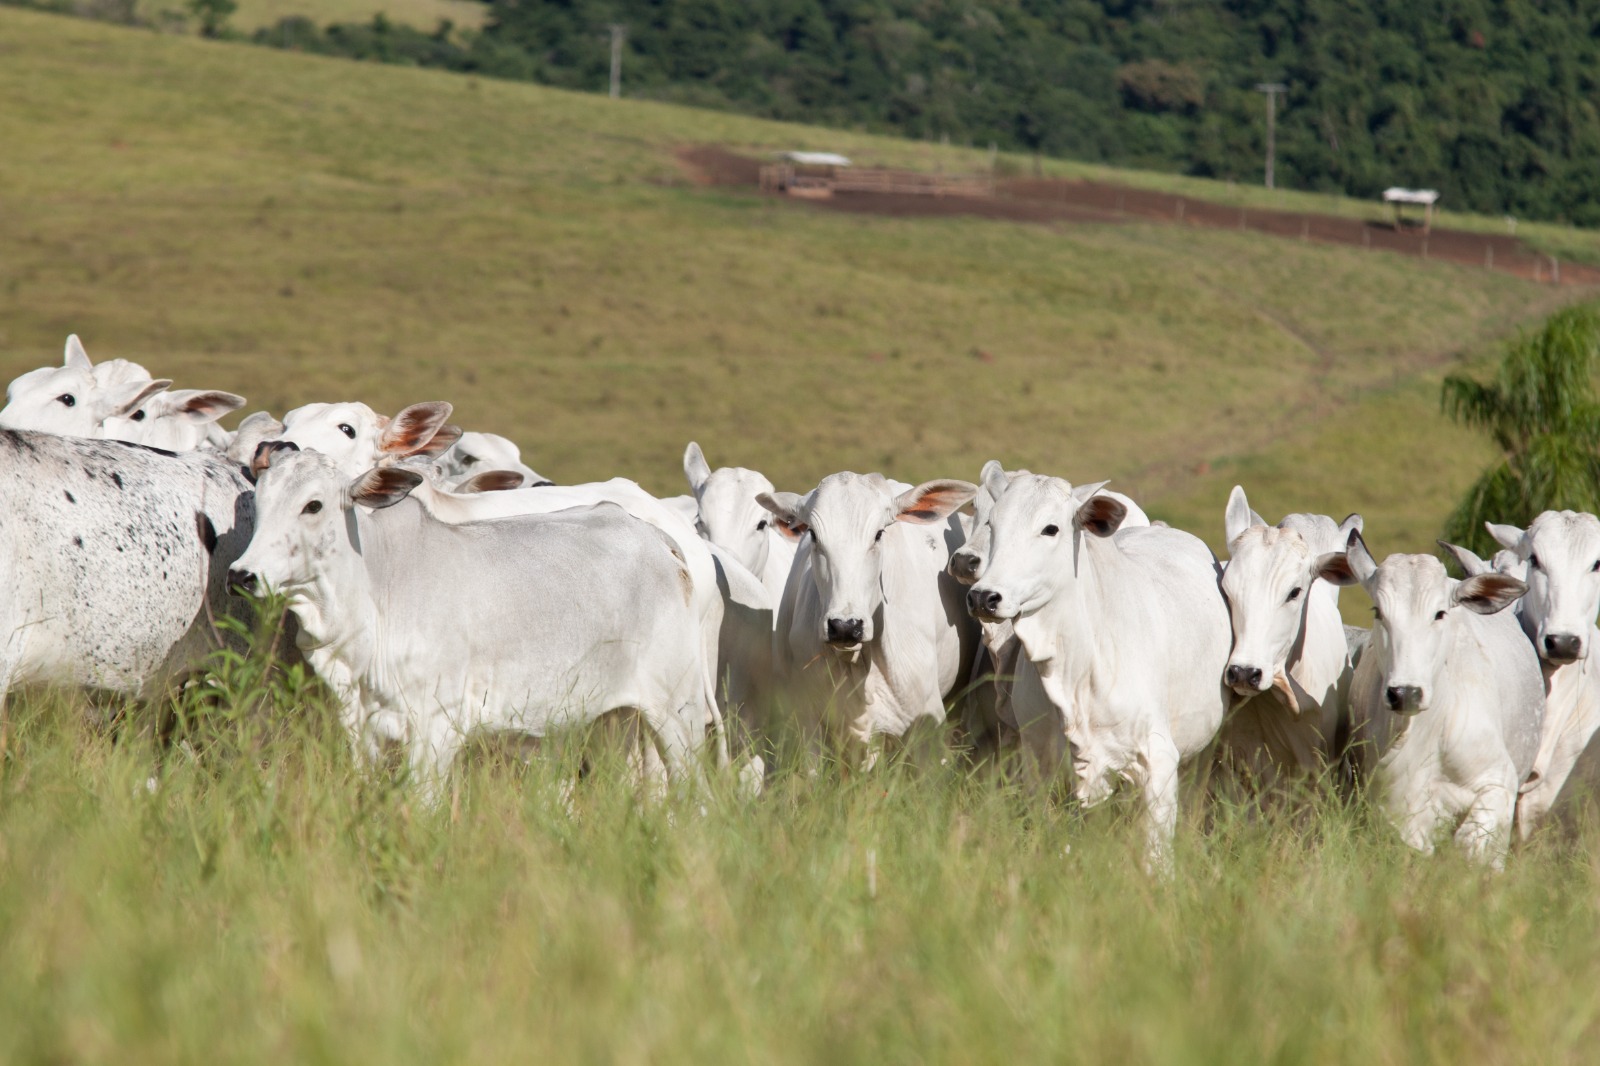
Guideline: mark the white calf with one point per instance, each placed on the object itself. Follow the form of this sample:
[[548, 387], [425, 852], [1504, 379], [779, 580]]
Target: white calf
[[71, 400], [728, 515]]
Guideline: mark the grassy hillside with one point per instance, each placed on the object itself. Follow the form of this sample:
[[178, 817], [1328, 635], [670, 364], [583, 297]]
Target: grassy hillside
[[300, 229], [295, 228]]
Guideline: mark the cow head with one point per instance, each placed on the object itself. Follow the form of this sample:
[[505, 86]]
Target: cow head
[[357, 438], [481, 453], [70, 400], [728, 514], [176, 420], [303, 524], [852, 519], [1268, 583], [1560, 557], [1036, 526], [1416, 606]]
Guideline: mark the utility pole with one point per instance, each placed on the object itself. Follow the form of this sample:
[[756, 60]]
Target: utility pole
[[1272, 89], [618, 33]]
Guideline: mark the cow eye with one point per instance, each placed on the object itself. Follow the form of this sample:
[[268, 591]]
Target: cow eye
[[138, 416], [68, 399], [312, 508], [347, 430], [1595, 569], [877, 536], [763, 525], [1294, 594], [1438, 616], [1051, 530]]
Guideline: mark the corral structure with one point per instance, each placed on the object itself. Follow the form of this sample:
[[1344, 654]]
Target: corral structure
[[1399, 198], [818, 175]]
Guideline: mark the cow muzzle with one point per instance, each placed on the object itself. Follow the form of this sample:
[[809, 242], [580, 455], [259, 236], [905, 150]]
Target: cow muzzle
[[964, 567], [846, 633], [243, 582], [1403, 699], [1562, 647], [984, 604], [1245, 680]]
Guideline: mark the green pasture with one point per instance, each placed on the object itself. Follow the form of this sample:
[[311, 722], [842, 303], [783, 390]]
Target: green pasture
[[298, 229]]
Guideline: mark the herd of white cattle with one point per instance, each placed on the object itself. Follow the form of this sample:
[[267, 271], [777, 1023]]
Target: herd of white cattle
[[441, 589]]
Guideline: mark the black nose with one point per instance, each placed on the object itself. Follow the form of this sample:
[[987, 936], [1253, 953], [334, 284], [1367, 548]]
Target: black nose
[[983, 601], [1403, 697], [1561, 647], [241, 581], [845, 630], [1245, 675], [964, 566]]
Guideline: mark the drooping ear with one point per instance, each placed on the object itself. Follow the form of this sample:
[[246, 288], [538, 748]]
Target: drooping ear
[[200, 405], [1362, 564], [123, 400], [1236, 518], [1467, 559], [492, 481], [412, 431], [1334, 568], [254, 431], [1100, 515], [785, 510], [383, 486], [695, 467], [266, 450], [1505, 536], [994, 479], [1488, 593], [933, 501], [76, 357]]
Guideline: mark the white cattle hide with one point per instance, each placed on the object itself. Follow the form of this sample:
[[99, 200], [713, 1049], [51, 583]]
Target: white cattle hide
[[590, 610], [70, 400], [1127, 629], [727, 514], [1447, 701]]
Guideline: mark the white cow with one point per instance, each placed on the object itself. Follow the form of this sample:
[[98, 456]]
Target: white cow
[[870, 625], [71, 400], [591, 612], [1559, 557], [1128, 632], [177, 420], [728, 516], [993, 720], [476, 453], [114, 560], [1447, 702], [1290, 663], [357, 438]]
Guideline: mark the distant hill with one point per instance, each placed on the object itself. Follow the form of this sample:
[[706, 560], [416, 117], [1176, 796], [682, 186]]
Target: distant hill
[[1493, 103]]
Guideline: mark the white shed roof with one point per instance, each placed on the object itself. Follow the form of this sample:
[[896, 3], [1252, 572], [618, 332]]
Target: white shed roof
[[817, 159], [1397, 195]]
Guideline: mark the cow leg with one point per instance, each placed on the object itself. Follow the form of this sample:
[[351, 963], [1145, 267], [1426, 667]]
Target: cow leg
[[433, 753], [1485, 833], [1159, 786], [674, 734]]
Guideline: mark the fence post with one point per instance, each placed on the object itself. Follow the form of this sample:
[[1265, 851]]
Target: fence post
[[1180, 208], [1555, 270], [1488, 257]]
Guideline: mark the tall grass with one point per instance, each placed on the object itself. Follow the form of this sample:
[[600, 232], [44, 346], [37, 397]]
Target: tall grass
[[245, 894]]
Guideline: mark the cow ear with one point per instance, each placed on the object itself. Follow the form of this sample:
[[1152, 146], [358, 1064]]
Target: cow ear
[[1488, 593], [1361, 562], [994, 479], [201, 405], [1505, 536], [254, 431], [785, 510], [1352, 523], [1467, 559], [383, 486], [492, 481], [933, 501], [1334, 568], [123, 400], [1100, 515], [1237, 517], [695, 467], [413, 430], [76, 358], [442, 441], [264, 453]]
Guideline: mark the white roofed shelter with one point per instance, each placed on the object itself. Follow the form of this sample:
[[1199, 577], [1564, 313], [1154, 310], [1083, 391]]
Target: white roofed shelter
[[1400, 197]]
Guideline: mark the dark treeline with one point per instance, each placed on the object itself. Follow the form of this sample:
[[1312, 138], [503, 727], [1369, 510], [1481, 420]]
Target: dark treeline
[[1493, 103]]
